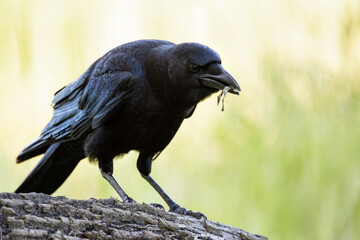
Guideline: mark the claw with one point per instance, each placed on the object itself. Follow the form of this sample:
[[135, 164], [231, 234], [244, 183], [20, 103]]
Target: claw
[[197, 215], [180, 210], [157, 205]]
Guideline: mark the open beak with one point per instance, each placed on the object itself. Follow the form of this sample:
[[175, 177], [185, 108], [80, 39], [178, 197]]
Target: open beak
[[220, 81]]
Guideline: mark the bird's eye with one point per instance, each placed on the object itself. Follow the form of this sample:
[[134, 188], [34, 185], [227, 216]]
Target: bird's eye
[[194, 68]]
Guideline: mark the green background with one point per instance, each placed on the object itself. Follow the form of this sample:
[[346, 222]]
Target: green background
[[283, 160]]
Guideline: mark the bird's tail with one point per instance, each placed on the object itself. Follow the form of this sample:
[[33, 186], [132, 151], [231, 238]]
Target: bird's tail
[[36, 147], [56, 165]]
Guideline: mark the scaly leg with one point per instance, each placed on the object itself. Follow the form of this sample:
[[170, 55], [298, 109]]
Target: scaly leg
[[109, 177], [174, 207]]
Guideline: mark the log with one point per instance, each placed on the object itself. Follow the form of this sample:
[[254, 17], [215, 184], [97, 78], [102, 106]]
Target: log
[[40, 216]]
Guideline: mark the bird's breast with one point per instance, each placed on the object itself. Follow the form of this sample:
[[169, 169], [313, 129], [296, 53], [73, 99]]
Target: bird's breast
[[133, 130], [149, 134]]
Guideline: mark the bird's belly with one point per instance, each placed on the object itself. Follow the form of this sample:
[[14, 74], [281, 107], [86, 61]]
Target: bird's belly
[[150, 135]]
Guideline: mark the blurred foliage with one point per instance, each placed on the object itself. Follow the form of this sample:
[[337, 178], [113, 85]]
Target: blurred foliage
[[283, 160]]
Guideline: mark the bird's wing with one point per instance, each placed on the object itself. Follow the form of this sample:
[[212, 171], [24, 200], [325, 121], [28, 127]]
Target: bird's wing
[[190, 111], [87, 102], [100, 99]]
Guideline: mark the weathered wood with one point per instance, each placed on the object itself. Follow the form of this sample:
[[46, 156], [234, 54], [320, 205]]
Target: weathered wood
[[40, 216]]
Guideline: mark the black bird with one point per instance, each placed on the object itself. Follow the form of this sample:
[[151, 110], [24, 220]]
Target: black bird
[[135, 97]]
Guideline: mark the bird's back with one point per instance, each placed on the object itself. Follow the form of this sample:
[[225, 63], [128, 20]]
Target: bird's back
[[68, 101]]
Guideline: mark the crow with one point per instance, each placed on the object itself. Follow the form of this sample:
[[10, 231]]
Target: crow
[[135, 97]]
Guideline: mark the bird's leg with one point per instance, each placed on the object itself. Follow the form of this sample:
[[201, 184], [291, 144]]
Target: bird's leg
[[106, 169], [109, 177], [174, 207], [144, 166]]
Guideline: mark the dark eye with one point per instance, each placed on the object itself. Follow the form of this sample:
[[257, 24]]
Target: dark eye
[[194, 68]]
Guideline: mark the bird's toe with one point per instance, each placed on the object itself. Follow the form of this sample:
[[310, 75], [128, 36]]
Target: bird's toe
[[197, 215], [183, 211], [157, 205], [129, 200]]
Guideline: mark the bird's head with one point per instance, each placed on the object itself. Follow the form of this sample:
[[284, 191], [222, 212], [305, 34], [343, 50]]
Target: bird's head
[[194, 72]]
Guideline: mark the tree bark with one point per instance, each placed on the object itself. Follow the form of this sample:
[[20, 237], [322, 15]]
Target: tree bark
[[40, 216]]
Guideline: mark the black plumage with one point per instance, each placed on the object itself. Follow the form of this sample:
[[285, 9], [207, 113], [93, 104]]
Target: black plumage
[[135, 97]]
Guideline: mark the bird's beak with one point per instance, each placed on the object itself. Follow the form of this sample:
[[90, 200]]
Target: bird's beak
[[220, 81]]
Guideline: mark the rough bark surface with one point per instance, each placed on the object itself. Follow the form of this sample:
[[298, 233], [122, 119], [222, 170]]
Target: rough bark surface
[[40, 216]]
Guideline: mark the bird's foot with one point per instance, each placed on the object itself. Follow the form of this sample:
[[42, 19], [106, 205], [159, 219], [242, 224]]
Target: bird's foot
[[129, 200], [183, 211], [157, 205]]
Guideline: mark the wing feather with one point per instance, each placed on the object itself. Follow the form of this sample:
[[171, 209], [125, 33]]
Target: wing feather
[[87, 102]]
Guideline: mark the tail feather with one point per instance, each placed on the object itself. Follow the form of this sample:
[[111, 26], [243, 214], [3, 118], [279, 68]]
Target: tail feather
[[36, 147], [58, 162]]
